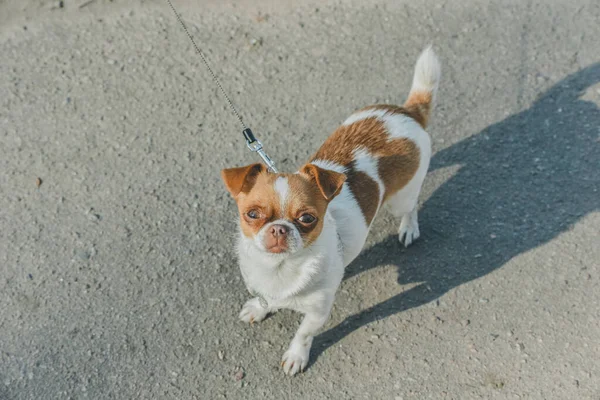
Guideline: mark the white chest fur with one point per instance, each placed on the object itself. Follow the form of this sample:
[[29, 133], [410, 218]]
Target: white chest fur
[[284, 282]]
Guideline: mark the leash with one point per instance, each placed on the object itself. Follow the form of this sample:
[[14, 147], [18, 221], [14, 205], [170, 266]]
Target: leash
[[251, 142]]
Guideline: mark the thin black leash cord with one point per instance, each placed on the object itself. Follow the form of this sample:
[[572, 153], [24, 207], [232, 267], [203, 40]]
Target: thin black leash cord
[[208, 67], [253, 144]]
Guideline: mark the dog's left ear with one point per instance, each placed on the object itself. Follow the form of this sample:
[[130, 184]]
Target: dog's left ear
[[329, 182], [241, 180]]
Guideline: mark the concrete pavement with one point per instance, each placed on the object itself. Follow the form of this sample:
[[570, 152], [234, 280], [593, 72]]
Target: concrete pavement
[[117, 275]]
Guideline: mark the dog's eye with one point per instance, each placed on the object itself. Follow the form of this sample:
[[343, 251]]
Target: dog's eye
[[252, 214], [307, 219]]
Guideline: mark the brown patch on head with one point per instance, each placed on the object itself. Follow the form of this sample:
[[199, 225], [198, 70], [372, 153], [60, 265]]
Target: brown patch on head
[[308, 195], [258, 203], [310, 192], [305, 197]]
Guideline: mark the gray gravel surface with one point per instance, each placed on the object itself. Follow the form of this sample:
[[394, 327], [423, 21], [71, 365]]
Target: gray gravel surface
[[117, 272]]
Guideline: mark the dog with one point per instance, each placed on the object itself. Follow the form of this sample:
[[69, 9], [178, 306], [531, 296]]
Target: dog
[[297, 232]]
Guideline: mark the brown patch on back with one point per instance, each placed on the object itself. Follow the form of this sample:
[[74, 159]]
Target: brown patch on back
[[398, 158], [416, 107], [397, 170], [369, 133], [365, 191], [304, 196]]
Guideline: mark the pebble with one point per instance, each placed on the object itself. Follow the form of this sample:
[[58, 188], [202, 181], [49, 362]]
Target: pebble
[[83, 254], [256, 42], [239, 375], [56, 4], [221, 355], [92, 216]]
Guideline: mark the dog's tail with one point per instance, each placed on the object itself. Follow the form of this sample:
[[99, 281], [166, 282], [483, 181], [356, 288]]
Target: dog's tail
[[424, 86]]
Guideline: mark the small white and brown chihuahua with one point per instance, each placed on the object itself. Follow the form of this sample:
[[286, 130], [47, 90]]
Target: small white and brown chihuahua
[[298, 232]]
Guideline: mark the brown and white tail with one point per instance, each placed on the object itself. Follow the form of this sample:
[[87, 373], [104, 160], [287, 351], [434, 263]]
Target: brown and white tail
[[424, 86]]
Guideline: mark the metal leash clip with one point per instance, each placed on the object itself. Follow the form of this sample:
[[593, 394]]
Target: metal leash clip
[[256, 146]]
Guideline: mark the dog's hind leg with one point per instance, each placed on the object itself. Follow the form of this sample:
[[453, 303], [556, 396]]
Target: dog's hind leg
[[420, 101], [404, 205]]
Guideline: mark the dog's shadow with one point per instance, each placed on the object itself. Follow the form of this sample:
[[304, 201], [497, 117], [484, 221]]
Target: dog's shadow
[[521, 182]]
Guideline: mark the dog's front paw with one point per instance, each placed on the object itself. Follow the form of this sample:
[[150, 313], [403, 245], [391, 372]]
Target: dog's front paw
[[295, 359], [253, 311]]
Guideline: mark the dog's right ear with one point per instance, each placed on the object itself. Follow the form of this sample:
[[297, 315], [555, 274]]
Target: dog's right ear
[[242, 179]]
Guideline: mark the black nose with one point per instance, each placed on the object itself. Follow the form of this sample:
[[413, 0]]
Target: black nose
[[279, 230]]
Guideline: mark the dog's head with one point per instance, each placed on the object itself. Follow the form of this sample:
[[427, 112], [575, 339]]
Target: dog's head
[[282, 213]]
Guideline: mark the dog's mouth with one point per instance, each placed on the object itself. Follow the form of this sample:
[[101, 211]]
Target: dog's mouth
[[278, 247]]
